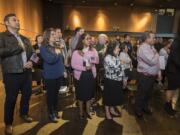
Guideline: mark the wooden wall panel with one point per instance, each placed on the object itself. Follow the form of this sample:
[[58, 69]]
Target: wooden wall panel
[[107, 19], [29, 13]]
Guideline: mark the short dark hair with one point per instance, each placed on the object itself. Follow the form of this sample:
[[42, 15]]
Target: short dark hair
[[57, 29], [40, 35], [146, 35], [46, 36], [124, 46], [77, 30], [110, 48], [126, 35], [6, 18]]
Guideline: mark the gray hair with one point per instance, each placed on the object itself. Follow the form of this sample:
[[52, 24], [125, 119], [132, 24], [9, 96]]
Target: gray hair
[[146, 35]]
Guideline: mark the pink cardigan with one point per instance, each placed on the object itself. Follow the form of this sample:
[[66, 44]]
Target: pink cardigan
[[77, 62]]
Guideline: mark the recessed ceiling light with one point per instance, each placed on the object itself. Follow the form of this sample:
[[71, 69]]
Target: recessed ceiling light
[[115, 4], [132, 4]]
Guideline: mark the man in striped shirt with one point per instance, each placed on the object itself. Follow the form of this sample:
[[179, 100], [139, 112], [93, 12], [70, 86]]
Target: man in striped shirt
[[148, 69]]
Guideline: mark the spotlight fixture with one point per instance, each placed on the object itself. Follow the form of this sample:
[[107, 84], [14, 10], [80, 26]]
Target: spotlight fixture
[[83, 1], [132, 4], [115, 4]]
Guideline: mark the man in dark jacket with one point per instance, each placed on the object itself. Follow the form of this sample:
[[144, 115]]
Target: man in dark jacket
[[127, 42], [15, 54]]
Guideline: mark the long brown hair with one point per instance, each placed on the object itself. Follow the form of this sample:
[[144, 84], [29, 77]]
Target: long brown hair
[[46, 36], [166, 43], [80, 44]]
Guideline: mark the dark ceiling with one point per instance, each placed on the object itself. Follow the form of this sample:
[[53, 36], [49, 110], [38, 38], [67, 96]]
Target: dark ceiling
[[138, 3]]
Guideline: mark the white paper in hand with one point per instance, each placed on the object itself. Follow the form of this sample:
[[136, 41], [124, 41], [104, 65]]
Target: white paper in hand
[[162, 62]]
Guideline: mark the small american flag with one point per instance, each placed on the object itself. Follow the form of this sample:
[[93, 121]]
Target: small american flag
[[34, 58]]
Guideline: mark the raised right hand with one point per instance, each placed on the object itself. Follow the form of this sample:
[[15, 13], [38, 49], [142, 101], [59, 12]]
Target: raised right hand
[[57, 51]]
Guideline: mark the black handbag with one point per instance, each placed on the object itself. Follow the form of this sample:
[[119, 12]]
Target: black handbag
[[131, 73]]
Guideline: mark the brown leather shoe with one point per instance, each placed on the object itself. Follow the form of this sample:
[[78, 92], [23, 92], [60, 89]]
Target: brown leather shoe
[[8, 130], [26, 118]]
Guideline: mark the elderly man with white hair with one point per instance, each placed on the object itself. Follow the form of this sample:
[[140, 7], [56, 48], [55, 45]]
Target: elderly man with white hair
[[101, 49], [102, 41]]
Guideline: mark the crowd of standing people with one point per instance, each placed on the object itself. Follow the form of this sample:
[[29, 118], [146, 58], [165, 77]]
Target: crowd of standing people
[[86, 57]]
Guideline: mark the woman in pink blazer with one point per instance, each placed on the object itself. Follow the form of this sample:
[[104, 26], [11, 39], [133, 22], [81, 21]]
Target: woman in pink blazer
[[83, 61]]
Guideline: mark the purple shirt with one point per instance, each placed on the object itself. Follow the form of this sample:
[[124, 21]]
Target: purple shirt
[[148, 60]]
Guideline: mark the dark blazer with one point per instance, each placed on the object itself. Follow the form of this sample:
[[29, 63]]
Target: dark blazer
[[36, 47], [10, 52], [173, 63], [129, 46]]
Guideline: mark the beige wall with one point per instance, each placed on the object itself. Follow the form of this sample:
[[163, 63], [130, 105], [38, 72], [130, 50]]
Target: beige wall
[[108, 19], [29, 13]]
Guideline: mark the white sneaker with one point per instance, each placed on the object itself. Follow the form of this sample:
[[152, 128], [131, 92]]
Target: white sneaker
[[63, 89], [102, 87]]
